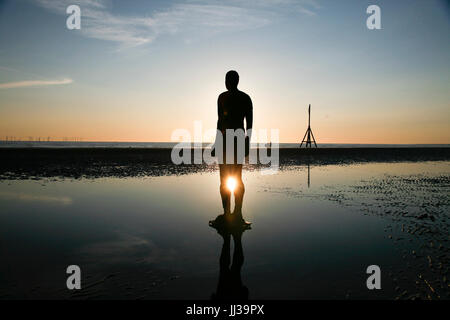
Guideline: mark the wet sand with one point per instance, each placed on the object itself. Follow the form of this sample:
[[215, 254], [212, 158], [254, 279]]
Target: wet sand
[[25, 163], [416, 208]]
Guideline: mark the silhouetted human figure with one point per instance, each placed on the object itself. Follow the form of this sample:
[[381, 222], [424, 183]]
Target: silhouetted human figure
[[230, 286], [233, 107]]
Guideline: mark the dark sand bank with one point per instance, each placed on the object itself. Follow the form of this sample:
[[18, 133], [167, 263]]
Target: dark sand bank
[[25, 163]]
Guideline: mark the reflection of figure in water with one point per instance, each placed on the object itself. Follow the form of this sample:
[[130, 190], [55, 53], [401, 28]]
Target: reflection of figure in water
[[308, 176], [230, 285], [233, 107]]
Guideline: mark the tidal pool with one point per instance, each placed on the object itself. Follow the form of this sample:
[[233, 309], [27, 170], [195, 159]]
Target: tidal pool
[[315, 230]]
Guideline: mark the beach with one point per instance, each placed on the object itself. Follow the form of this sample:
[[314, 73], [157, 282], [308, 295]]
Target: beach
[[137, 225], [24, 163]]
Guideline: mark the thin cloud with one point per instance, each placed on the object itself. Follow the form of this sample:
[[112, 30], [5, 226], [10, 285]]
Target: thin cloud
[[193, 17], [34, 83], [307, 11]]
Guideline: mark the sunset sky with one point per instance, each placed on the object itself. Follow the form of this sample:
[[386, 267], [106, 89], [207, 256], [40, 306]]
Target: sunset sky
[[138, 70]]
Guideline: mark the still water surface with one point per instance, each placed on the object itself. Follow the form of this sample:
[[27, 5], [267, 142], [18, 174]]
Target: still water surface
[[149, 237]]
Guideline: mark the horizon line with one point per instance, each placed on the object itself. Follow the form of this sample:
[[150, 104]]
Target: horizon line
[[208, 142]]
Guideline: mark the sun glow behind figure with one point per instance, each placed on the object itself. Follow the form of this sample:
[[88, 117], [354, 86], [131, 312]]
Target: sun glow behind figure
[[231, 184]]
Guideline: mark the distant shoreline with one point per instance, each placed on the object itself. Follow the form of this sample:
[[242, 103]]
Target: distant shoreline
[[163, 145], [37, 163]]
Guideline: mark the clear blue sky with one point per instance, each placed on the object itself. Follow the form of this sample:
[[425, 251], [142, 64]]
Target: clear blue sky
[[137, 70]]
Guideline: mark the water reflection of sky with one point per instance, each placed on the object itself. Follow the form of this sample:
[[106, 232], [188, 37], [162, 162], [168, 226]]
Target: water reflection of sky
[[300, 246]]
